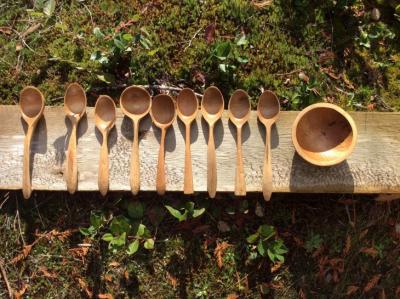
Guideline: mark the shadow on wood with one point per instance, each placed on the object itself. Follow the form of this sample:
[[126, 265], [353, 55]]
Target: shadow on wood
[[320, 179]]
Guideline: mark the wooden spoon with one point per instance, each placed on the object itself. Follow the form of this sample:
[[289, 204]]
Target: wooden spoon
[[239, 113], [75, 107], [187, 108], [135, 103], [104, 113], [212, 107], [31, 103], [163, 114], [268, 109]]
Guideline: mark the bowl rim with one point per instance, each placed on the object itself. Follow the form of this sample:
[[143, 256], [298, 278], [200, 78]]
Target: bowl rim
[[345, 114]]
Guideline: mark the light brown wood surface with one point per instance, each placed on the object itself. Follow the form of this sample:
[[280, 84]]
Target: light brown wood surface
[[374, 166]]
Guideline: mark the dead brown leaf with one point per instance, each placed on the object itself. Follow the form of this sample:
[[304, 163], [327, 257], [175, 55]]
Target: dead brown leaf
[[46, 273], [31, 29], [219, 252], [209, 33], [347, 246], [84, 286], [351, 290], [363, 234], [232, 296], [114, 264], [372, 283], [172, 279], [18, 294], [105, 296], [25, 252], [276, 267], [5, 30], [369, 251], [301, 294], [108, 277]]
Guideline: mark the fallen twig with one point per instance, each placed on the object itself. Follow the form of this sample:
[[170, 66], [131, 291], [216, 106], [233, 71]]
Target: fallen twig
[[290, 73], [191, 40], [3, 273]]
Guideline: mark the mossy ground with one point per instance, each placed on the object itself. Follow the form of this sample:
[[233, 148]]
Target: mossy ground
[[337, 245], [348, 58]]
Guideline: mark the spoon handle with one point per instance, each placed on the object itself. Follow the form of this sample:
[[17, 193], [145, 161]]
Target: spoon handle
[[240, 186], [211, 164], [72, 169], [267, 169], [188, 179], [103, 166], [26, 178], [135, 163], [160, 182]]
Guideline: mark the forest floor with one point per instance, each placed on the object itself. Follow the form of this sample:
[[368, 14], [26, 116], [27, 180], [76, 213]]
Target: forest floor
[[308, 246]]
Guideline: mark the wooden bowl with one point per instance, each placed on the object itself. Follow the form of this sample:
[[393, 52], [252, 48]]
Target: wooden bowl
[[324, 134]]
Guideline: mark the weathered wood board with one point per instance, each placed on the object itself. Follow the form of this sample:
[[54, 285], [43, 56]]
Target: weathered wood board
[[374, 166]]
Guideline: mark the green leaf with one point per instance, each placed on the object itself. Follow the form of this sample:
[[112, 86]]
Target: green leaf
[[149, 244], [107, 78], [96, 219], [141, 229], [135, 18], [242, 59], [119, 44], [178, 215], [252, 238], [119, 241], [198, 212], [107, 237], [222, 50], [242, 40], [97, 33], [133, 247], [120, 225], [49, 7], [262, 247], [189, 206], [127, 37], [85, 231], [223, 67], [266, 231], [135, 209]]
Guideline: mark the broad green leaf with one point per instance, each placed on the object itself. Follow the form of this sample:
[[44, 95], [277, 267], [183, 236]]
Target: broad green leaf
[[135, 18], [223, 67], [107, 237], [222, 50], [119, 44], [95, 55], [107, 78], [174, 212], [133, 247], [242, 59], [135, 209], [189, 205], [96, 219], [120, 240], [266, 231], [149, 244], [141, 229], [262, 248], [198, 212], [97, 33], [87, 231], [49, 7], [127, 37], [252, 238], [120, 225]]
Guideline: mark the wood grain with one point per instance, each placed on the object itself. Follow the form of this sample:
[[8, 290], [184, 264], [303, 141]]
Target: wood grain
[[374, 167]]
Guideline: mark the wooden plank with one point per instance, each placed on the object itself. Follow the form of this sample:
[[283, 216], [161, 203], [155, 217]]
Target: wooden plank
[[374, 166]]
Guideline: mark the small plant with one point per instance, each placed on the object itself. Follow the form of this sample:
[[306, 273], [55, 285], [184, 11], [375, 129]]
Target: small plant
[[186, 211], [228, 55], [274, 249], [121, 232], [313, 243]]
